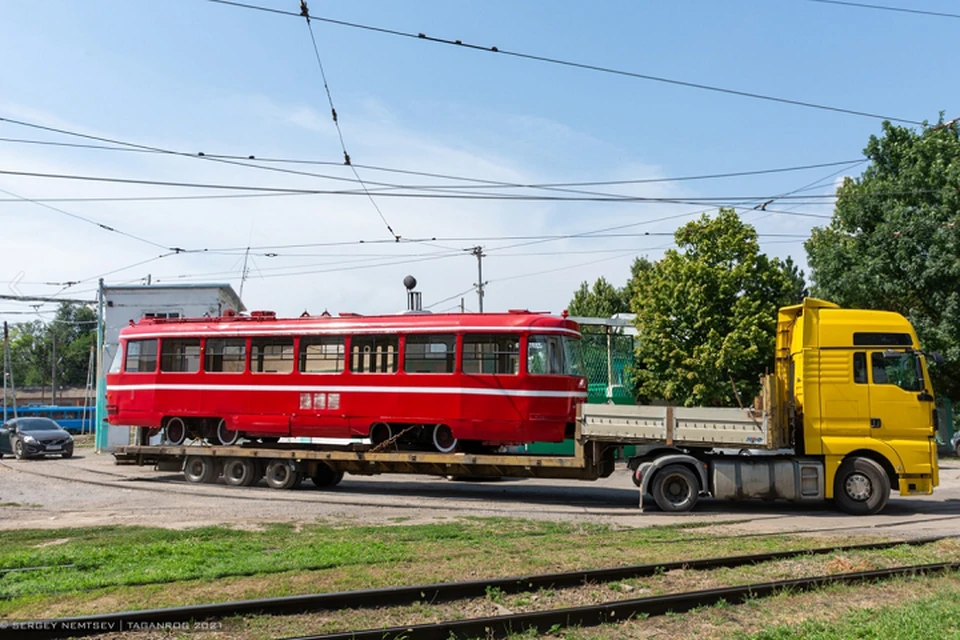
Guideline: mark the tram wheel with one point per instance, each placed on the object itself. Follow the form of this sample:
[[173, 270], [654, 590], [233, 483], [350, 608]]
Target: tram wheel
[[380, 433], [201, 469], [240, 472], [444, 440], [282, 474], [175, 431], [225, 435]]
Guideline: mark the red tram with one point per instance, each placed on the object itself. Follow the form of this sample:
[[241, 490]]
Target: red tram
[[447, 381]]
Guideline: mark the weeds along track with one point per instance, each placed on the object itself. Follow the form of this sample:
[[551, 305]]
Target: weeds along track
[[452, 591]]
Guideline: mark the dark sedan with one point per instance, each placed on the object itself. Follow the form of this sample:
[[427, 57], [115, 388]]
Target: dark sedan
[[30, 437]]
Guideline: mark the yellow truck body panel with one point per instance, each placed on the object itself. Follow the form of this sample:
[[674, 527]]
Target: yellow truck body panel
[[854, 381]]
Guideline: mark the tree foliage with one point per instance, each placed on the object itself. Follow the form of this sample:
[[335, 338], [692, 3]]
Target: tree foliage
[[31, 347], [602, 301], [894, 240], [706, 314]]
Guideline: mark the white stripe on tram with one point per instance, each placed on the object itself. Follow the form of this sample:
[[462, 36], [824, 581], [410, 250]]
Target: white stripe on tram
[[520, 393]]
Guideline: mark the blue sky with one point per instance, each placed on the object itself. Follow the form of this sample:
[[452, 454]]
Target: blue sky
[[191, 75]]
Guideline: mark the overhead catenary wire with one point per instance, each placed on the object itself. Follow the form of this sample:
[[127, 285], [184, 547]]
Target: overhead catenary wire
[[480, 182], [880, 7], [580, 65], [305, 12]]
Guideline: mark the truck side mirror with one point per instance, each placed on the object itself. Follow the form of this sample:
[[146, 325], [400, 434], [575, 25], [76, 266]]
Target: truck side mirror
[[937, 357]]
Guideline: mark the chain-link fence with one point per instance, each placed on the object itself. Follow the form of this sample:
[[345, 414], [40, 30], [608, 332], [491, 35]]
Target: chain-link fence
[[608, 357]]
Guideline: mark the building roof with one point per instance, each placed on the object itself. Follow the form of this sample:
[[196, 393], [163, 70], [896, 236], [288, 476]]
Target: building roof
[[224, 287]]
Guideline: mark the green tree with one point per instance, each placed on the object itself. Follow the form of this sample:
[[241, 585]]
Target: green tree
[[602, 301], [894, 240], [706, 314], [31, 347]]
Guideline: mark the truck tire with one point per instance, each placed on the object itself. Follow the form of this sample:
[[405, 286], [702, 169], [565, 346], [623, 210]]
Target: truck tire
[[861, 487], [201, 469], [240, 472], [282, 474], [325, 477], [675, 488]]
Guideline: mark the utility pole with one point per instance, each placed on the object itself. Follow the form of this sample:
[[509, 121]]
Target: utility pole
[[243, 275], [478, 252], [100, 428], [8, 370], [53, 367]]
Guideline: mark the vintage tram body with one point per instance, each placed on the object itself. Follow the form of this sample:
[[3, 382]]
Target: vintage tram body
[[445, 381]]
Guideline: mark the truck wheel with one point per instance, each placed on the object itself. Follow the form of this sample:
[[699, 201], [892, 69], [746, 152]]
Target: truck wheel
[[675, 488], [861, 487], [282, 474], [240, 472], [325, 476], [200, 469]]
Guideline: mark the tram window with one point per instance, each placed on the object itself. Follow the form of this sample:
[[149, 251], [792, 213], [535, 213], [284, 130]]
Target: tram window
[[180, 355], [225, 355], [271, 355], [141, 356], [374, 354], [545, 355], [491, 353], [429, 353], [323, 354]]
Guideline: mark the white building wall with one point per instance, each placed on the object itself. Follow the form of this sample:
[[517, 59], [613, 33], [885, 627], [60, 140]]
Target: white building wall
[[124, 304]]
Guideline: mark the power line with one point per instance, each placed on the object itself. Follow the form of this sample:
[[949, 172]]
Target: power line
[[580, 65], [480, 181], [101, 225], [709, 200], [863, 5]]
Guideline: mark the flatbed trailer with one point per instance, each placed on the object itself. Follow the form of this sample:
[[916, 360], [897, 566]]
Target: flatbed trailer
[[600, 431]]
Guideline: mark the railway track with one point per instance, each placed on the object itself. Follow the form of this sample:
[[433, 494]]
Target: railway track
[[445, 592]]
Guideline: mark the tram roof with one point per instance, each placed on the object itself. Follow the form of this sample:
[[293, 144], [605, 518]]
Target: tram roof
[[265, 323]]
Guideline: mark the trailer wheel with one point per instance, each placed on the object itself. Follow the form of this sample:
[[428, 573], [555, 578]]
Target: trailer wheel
[[675, 488], [443, 439], [225, 435], [200, 469], [240, 472], [282, 474], [325, 476], [861, 487], [175, 431]]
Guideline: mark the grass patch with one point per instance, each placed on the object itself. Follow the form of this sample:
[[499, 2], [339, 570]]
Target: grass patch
[[934, 616], [119, 568]]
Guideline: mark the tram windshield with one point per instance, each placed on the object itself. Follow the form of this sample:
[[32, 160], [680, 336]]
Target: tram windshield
[[554, 355]]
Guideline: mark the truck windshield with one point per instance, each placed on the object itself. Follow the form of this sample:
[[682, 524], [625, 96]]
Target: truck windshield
[[554, 355], [900, 369]]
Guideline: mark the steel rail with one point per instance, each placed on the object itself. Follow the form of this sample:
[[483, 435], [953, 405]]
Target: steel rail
[[397, 596], [621, 610]]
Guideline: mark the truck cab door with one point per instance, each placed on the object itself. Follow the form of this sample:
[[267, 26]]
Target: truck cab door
[[901, 405]]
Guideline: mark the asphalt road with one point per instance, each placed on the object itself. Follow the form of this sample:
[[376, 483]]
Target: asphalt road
[[90, 490]]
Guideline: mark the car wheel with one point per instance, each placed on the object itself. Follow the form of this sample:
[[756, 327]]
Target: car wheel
[[957, 449], [67, 454], [18, 450]]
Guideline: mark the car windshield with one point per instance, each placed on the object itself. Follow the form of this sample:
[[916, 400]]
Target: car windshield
[[37, 424]]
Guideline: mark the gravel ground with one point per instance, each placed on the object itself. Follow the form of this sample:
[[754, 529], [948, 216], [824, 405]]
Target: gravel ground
[[90, 490]]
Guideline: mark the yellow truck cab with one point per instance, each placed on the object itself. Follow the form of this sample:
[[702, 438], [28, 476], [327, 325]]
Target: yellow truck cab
[[854, 390]]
